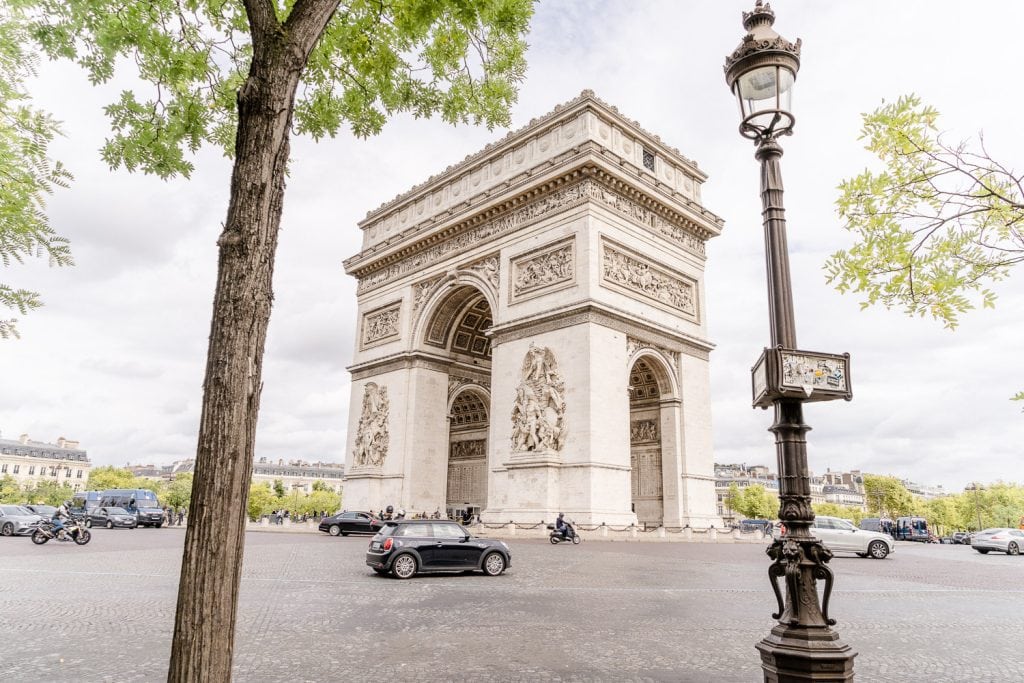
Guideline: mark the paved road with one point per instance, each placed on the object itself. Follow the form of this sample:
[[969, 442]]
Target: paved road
[[312, 611]]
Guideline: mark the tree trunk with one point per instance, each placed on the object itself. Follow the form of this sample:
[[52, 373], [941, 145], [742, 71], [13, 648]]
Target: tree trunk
[[212, 564]]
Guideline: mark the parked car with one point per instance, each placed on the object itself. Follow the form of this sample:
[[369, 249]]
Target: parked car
[[963, 537], [409, 547], [16, 520], [350, 522], [840, 535], [44, 511], [111, 517], [763, 525], [1005, 540]]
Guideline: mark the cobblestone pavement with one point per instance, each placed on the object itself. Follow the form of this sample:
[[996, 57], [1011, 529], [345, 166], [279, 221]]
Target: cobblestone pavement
[[312, 611]]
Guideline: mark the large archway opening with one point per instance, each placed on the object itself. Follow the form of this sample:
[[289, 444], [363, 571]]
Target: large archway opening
[[645, 442], [459, 327]]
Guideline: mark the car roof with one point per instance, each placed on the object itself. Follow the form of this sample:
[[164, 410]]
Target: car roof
[[396, 522]]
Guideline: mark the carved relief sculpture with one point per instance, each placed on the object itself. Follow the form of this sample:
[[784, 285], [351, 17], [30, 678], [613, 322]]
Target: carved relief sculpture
[[543, 270], [380, 325], [487, 269], [372, 434], [468, 450], [538, 416], [643, 431], [639, 276]]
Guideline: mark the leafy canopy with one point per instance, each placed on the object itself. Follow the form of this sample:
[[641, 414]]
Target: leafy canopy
[[935, 226], [27, 173], [456, 58]]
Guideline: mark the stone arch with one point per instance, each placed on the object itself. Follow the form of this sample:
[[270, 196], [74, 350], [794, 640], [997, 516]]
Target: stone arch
[[456, 308], [442, 293], [652, 408], [469, 419]]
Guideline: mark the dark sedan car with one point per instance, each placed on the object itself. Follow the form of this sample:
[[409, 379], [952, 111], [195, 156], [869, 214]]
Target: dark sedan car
[[408, 547], [350, 522], [111, 517]]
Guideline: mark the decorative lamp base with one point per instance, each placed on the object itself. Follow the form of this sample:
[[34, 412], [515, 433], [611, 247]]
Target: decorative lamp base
[[793, 653]]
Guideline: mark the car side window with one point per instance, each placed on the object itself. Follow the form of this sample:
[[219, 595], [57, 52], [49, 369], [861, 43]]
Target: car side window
[[447, 531], [418, 530], [824, 524], [348, 515]]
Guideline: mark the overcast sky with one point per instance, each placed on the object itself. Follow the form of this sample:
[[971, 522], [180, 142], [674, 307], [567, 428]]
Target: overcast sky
[[116, 357]]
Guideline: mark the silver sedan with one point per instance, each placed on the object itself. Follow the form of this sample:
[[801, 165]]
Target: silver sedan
[[17, 521], [1004, 540]]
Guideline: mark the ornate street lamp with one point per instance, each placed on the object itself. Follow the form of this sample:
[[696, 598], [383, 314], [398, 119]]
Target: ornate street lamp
[[802, 646]]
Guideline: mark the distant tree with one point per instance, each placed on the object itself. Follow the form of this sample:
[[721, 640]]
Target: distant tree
[[279, 489], [754, 502], [319, 500], [178, 493], [10, 490], [321, 485], [887, 496], [27, 173], [261, 500], [935, 227], [110, 477], [48, 493], [850, 512]]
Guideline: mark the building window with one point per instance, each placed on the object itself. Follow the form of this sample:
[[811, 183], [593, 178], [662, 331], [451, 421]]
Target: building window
[[16, 468], [67, 471], [31, 470], [3, 468], [648, 160], [79, 474]]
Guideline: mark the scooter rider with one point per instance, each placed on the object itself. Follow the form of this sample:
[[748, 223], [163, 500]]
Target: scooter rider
[[563, 527]]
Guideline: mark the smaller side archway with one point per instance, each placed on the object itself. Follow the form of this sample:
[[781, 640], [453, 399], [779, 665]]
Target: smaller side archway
[[653, 446], [468, 425]]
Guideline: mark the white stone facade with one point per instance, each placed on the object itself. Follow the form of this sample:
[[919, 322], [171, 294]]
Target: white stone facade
[[545, 296], [31, 462]]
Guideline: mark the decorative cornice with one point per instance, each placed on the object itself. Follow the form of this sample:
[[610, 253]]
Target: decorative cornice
[[589, 183], [606, 316]]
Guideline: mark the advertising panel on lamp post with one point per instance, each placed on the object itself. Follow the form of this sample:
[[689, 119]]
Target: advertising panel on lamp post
[[805, 375]]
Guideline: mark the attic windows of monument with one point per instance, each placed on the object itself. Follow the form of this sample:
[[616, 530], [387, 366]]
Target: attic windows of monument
[[648, 159], [643, 385]]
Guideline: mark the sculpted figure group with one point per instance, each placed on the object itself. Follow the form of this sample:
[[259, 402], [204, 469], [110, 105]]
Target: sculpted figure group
[[372, 435], [538, 416]]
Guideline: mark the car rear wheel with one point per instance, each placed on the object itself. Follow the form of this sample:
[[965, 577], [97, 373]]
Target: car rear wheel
[[1012, 549], [88, 524], [404, 566], [494, 564], [878, 550], [8, 529], [983, 551], [334, 530], [110, 525]]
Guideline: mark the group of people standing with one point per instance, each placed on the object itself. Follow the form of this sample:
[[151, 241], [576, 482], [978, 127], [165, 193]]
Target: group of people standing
[[172, 515]]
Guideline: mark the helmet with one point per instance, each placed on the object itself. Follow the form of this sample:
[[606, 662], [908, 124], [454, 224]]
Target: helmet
[[390, 509], [401, 512], [561, 514]]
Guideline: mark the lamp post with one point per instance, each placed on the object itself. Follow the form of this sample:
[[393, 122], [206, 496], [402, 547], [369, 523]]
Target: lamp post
[[802, 646]]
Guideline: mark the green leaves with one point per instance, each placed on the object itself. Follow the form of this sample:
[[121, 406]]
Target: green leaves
[[934, 226], [27, 174]]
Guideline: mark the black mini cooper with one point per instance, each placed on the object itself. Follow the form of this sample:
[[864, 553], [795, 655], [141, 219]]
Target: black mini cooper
[[407, 547]]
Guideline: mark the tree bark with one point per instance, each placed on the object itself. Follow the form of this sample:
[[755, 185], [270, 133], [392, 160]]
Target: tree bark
[[211, 567]]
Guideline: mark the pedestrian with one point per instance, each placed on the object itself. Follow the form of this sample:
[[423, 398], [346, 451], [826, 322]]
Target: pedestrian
[[181, 515]]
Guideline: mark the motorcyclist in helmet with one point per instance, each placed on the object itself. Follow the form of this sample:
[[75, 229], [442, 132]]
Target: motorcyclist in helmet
[[59, 515], [401, 514], [389, 512]]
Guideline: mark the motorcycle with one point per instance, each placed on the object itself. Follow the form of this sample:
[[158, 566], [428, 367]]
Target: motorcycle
[[74, 530], [569, 535]]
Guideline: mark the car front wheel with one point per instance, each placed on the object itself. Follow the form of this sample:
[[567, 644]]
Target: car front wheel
[[1012, 549], [334, 530], [110, 525], [8, 529], [494, 564], [404, 566], [983, 551], [878, 550], [88, 524]]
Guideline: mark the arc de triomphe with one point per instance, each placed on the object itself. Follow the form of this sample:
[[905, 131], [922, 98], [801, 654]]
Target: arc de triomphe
[[532, 334]]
